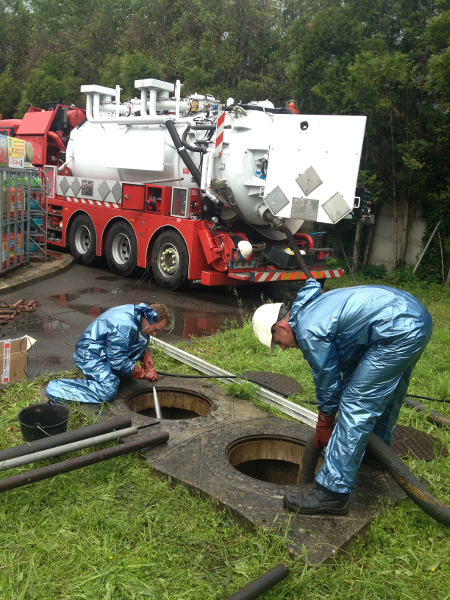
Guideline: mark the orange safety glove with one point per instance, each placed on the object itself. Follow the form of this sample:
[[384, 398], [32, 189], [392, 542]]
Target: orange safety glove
[[146, 360], [324, 429], [140, 373]]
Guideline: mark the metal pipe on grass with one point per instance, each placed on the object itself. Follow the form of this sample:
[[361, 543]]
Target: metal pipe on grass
[[79, 462], [261, 585], [60, 450], [66, 438]]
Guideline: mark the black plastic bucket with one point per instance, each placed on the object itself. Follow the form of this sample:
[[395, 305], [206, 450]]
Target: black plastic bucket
[[42, 420]]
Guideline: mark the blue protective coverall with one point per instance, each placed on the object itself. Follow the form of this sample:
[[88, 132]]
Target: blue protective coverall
[[106, 352], [362, 344]]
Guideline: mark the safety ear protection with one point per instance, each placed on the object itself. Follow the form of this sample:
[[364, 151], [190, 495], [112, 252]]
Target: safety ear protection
[[283, 312]]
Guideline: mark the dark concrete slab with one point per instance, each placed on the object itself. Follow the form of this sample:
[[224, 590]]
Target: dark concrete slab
[[199, 452]]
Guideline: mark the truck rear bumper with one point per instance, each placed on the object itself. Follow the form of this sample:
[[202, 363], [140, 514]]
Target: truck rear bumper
[[239, 277]]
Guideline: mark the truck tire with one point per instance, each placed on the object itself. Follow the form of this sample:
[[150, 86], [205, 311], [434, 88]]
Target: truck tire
[[121, 249], [83, 240], [170, 261]]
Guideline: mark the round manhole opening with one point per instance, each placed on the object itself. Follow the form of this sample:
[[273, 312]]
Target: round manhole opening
[[270, 458], [175, 404]]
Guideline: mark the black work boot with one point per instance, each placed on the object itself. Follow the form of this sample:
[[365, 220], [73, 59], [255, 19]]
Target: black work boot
[[314, 502]]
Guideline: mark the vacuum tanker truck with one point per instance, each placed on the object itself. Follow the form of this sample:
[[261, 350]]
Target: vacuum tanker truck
[[200, 192]]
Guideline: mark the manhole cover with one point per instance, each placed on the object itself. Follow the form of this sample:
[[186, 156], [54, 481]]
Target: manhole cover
[[281, 384], [407, 441], [268, 458], [175, 404]]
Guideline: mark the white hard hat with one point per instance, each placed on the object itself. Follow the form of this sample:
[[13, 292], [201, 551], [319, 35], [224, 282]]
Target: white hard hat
[[263, 320]]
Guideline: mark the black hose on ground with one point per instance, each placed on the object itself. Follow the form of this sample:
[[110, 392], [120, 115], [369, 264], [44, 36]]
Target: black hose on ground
[[433, 417], [426, 398], [407, 481], [395, 467]]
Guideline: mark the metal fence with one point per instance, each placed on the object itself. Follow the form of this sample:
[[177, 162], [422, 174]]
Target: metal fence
[[23, 215]]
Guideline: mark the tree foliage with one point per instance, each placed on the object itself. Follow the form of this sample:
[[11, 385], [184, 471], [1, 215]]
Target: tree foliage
[[386, 59]]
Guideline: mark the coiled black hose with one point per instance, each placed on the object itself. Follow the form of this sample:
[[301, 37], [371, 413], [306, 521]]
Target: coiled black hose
[[395, 467]]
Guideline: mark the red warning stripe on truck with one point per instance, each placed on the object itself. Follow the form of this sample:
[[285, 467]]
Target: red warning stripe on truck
[[267, 276], [233, 277]]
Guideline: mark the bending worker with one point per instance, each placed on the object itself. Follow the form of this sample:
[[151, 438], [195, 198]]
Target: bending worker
[[362, 344], [108, 350]]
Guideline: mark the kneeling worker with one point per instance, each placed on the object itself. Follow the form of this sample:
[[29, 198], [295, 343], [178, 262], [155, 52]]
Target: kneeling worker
[[108, 350], [362, 344]]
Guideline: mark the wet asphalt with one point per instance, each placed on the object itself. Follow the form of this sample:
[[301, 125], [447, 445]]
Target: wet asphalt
[[72, 300]]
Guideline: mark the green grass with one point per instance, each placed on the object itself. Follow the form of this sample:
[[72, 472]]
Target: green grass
[[115, 531]]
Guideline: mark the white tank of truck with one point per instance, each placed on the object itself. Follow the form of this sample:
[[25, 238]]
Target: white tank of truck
[[247, 158]]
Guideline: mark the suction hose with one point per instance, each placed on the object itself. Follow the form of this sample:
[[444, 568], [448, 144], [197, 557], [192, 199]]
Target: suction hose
[[182, 151], [298, 255], [280, 225], [395, 467]]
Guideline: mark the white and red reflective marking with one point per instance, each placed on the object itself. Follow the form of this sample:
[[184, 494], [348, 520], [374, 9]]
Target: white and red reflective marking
[[94, 202], [219, 133], [266, 276]]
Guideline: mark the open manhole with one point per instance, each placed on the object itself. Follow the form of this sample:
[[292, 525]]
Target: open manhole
[[175, 404], [268, 458]]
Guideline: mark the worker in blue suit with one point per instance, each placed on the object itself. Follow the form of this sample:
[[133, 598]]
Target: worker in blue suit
[[362, 344], [108, 350]]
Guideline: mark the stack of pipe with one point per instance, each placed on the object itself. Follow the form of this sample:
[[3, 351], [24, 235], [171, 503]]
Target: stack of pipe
[[70, 441], [9, 311]]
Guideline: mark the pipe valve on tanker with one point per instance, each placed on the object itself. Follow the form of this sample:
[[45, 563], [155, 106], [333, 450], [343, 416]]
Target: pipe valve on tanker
[[263, 211]]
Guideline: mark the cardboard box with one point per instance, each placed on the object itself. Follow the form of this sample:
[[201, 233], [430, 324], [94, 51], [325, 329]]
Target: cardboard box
[[14, 358]]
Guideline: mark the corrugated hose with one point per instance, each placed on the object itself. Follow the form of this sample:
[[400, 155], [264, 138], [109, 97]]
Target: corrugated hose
[[395, 467]]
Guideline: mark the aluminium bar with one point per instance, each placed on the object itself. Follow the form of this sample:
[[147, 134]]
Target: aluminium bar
[[285, 406], [9, 483], [66, 449], [66, 438]]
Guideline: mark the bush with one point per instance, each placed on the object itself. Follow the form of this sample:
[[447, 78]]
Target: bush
[[373, 271]]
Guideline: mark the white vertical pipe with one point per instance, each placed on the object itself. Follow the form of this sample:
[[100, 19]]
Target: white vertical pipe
[[177, 98], [153, 97], [204, 174], [117, 100], [89, 105], [96, 105], [143, 102]]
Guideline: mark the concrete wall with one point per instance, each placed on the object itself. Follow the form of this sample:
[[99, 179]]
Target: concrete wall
[[383, 243]]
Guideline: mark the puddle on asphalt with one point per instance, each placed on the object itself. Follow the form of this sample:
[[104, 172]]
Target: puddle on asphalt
[[63, 298], [35, 322], [183, 323], [93, 311], [187, 325]]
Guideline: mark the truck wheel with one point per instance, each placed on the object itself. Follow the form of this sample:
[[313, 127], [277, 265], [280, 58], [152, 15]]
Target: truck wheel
[[83, 240], [121, 249], [170, 261]]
